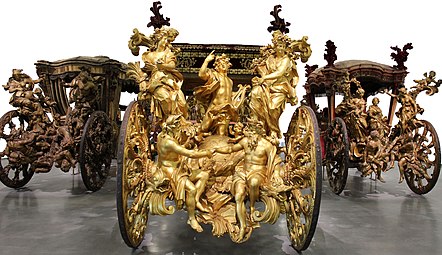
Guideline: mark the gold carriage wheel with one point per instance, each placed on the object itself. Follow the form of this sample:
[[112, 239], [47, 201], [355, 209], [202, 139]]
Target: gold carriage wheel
[[427, 143], [133, 159], [96, 150], [12, 175], [337, 155], [304, 160]]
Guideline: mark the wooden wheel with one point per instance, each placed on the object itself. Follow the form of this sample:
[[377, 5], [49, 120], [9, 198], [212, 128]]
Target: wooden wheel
[[337, 155], [134, 166], [96, 150], [428, 159], [304, 174], [14, 173]]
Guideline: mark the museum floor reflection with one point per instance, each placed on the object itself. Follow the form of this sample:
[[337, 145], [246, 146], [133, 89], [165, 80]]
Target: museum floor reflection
[[55, 214]]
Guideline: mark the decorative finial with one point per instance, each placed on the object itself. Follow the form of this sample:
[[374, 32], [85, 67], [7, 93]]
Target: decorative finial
[[310, 69], [157, 21], [401, 56], [278, 23], [330, 53]]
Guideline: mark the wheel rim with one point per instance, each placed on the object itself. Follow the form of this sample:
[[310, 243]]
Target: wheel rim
[[337, 157], [429, 159], [302, 207], [134, 162], [96, 151], [15, 176], [12, 174]]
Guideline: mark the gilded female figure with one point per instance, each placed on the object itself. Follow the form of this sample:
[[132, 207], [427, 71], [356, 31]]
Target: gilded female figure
[[276, 85], [159, 77]]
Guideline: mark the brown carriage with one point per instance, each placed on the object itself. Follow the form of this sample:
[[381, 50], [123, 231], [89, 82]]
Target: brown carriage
[[69, 115], [356, 135]]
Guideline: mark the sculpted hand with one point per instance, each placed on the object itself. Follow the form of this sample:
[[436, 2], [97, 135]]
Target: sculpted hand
[[256, 81], [159, 63], [293, 100], [277, 180], [211, 56], [210, 153]]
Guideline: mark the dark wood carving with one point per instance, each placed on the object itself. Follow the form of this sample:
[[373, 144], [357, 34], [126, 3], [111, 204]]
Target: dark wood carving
[[309, 69], [157, 20], [401, 55], [279, 23], [330, 53]]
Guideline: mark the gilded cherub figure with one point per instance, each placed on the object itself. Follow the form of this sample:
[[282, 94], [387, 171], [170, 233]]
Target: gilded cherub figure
[[171, 156], [373, 160]]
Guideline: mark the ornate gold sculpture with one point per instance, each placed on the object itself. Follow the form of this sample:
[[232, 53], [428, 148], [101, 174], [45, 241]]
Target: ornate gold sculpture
[[159, 80], [278, 79], [212, 168], [221, 103]]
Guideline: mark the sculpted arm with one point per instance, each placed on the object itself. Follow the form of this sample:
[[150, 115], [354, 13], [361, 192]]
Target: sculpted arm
[[204, 71], [280, 71], [389, 93], [152, 61], [169, 64], [176, 148], [229, 149]]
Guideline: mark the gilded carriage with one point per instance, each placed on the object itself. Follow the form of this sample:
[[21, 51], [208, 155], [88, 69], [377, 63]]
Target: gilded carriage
[[359, 136], [69, 115], [206, 140]]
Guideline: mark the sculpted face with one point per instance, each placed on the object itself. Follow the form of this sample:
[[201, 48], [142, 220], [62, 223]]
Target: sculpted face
[[280, 48], [162, 43], [375, 101], [222, 63]]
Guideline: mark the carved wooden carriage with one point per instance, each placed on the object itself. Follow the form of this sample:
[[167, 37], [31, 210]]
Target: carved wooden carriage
[[167, 162], [72, 116], [357, 136]]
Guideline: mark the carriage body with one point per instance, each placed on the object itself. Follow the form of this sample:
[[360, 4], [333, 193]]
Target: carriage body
[[213, 162], [69, 115], [357, 134]]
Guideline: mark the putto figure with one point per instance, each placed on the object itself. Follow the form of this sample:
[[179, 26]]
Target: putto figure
[[171, 155]]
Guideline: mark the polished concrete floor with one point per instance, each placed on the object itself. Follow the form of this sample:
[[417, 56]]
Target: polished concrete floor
[[55, 214]]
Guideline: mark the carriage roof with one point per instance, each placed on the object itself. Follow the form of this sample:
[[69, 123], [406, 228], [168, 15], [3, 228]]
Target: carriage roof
[[114, 80], [373, 76]]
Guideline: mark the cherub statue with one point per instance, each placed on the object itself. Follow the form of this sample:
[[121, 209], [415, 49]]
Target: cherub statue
[[373, 151], [171, 155]]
